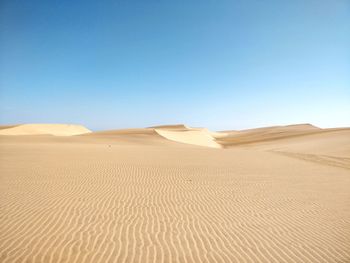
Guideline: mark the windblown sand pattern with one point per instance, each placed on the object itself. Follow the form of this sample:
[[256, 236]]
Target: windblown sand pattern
[[135, 196]]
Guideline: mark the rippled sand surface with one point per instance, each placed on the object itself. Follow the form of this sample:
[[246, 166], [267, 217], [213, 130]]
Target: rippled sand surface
[[138, 197]]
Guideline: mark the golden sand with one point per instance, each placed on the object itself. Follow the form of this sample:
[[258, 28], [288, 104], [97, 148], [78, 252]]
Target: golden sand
[[278, 194]]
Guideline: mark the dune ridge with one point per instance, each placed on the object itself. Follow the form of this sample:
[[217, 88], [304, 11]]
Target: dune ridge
[[185, 134], [171, 127], [7, 126], [178, 133], [40, 129], [257, 135]]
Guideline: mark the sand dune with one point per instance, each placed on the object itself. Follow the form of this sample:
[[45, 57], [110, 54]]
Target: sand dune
[[140, 136], [7, 126], [172, 127], [37, 129], [327, 147], [267, 134], [326, 141], [195, 136], [177, 133], [135, 196]]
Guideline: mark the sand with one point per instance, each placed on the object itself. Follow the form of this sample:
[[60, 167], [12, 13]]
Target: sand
[[201, 137], [277, 194], [38, 129]]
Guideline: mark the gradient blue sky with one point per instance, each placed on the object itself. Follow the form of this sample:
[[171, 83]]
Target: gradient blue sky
[[221, 64]]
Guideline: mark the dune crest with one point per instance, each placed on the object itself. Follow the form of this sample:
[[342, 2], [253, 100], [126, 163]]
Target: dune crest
[[41, 129], [171, 127], [195, 136]]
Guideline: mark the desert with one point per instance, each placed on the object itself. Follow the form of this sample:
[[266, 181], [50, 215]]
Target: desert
[[175, 131], [173, 193]]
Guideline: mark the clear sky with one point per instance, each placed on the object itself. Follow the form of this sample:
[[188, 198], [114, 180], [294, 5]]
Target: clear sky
[[220, 64]]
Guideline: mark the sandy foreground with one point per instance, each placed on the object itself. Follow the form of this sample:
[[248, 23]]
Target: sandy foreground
[[174, 194]]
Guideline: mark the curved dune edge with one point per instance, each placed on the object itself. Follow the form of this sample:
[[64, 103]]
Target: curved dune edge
[[199, 137], [172, 127], [41, 129]]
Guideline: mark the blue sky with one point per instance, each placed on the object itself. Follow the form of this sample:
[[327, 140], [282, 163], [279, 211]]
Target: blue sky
[[220, 64]]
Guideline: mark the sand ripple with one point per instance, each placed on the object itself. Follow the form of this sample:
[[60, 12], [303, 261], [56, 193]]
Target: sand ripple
[[162, 204]]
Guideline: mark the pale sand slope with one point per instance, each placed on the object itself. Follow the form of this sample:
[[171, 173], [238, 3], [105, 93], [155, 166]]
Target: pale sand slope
[[133, 196], [182, 127], [7, 126], [201, 137], [331, 147], [266, 134], [305, 142], [138, 137], [38, 129], [177, 133]]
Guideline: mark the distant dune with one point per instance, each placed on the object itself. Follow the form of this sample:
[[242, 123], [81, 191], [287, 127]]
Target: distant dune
[[179, 133], [199, 137], [267, 133], [7, 126], [171, 127], [161, 134], [173, 193], [137, 136], [39, 129]]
